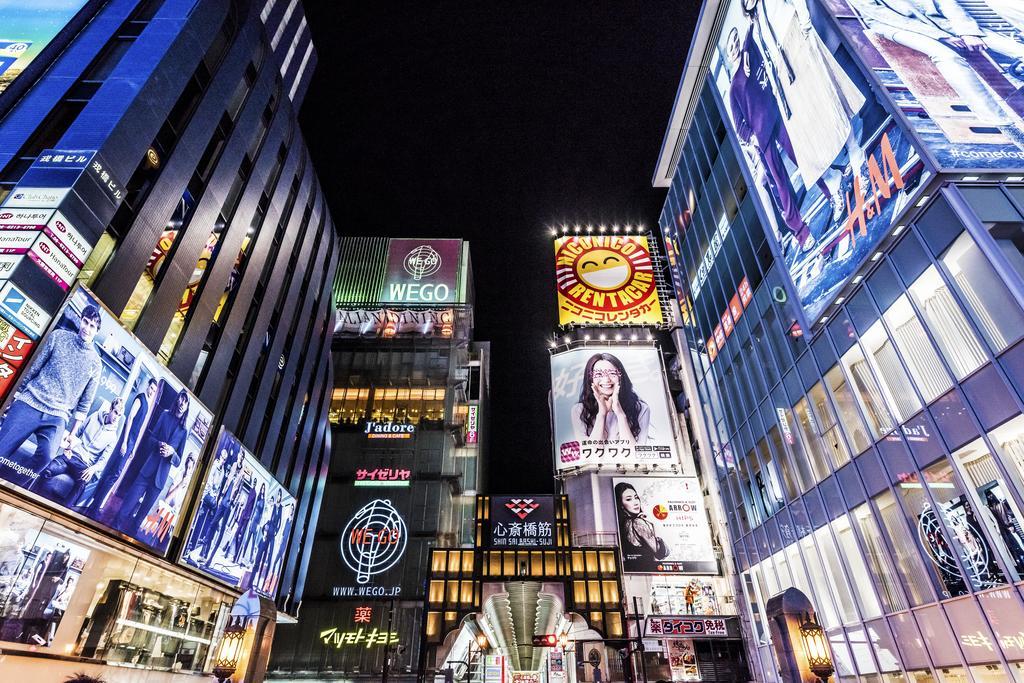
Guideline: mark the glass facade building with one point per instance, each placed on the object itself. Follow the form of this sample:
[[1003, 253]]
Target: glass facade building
[[199, 229], [868, 456]]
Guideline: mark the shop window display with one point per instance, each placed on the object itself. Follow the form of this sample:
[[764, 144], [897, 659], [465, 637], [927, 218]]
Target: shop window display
[[63, 592]]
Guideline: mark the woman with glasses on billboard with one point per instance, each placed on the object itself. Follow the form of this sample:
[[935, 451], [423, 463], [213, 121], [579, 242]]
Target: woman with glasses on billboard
[[609, 409]]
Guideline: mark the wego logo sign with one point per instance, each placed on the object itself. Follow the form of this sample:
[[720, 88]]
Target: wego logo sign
[[422, 262], [421, 272], [606, 280], [374, 540]]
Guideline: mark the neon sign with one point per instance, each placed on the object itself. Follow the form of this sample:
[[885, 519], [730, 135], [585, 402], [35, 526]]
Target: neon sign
[[332, 637], [383, 476], [374, 540], [472, 434], [389, 430]]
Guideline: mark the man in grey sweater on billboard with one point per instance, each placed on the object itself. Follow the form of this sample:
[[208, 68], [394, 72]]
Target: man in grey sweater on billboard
[[58, 387]]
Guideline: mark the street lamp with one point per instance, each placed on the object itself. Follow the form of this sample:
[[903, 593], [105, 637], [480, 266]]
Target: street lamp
[[481, 641], [229, 650], [816, 648]]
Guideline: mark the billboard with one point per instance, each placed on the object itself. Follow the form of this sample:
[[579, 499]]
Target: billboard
[[662, 525], [955, 68], [610, 406], [240, 530], [98, 427], [606, 280], [520, 522], [830, 166], [422, 271], [26, 28]]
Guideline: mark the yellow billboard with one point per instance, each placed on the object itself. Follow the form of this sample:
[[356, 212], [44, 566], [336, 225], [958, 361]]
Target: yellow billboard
[[606, 280]]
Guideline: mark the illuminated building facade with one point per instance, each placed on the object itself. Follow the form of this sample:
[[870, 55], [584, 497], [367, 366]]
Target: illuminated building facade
[[166, 318], [408, 420], [847, 259]]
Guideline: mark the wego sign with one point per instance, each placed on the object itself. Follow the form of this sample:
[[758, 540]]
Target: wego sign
[[422, 272], [605, 281], [374, 540]]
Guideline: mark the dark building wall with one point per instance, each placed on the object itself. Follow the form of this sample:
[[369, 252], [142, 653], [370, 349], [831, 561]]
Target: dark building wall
[[211, 89]]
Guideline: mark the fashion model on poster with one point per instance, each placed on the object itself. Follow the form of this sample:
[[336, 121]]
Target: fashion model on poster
[[226, 515], [245, 533], [68, 476], [609, 409], [820, 104], [58, 388], [642, 548], [268, 537], [944, 32], [208, 504], [139, 410], [163, 444]]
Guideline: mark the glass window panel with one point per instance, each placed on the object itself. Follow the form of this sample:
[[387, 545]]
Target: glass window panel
[[908, 561], [869, 394], [992, 401], [809, 429], [833, 565], [968, 542], [984, 293], [924, 364], [879, 561], [847, 409], [897, 390], [857, 569], [947, 323], [953, 419]]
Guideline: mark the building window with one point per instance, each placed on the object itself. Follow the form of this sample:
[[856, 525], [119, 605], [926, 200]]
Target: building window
[[947, 323], [856, 567], [924, 364], [878, 560], [984, 293]]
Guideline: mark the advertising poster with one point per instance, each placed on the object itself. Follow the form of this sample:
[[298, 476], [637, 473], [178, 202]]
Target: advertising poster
[[953, 66], [26, 28], [240, 531], [606, 280], [422, 271], [38, 575], [682, 660], [663, 527], [97, 426], [518, 522], [610, 406], [829, 165]]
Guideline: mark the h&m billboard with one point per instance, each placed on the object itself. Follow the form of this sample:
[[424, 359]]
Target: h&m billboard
[[830, 166]]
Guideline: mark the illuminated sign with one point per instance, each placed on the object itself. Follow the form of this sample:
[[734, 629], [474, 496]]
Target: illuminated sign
[[389, 430], [737, 304], [383, 476], [472, 418], [606, 280], [387, 322], [374, 540], [422, 271], [522, 522], [710, 254], [686, 627], [363, 614], [332, 637]]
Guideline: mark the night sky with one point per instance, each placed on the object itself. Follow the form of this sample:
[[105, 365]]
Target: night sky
[[491, 121]]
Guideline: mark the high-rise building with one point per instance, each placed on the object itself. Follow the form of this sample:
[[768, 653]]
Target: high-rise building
[[166, 316], [408, 417], [845, 217]]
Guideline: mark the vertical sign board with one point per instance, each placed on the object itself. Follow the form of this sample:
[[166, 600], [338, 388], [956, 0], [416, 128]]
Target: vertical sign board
[[472, 422], [422, 271], [830, 166]]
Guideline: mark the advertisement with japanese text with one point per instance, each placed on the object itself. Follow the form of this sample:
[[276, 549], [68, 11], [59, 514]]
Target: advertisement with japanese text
[[520, 522], [606, 280], [610, 406], [955, 68], [26, 28], [239, 533], [830, 166], [663, 527], [97, 426]]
